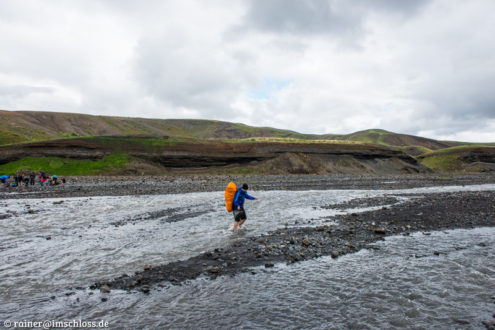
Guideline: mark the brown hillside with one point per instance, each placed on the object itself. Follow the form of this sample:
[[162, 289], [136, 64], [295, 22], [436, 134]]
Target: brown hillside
[[260, 157]]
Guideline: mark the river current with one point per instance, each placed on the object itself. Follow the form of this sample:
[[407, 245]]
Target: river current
[[50, 252]]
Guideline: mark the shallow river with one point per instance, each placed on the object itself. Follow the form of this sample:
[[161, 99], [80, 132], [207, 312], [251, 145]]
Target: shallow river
[[47, 250]]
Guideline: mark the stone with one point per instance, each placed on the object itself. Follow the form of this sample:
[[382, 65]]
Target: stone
[[335, 254], [436, 253], [105, 289], [380, 231], [104, 299], [215, 270], [305, 242], [57, 203], [148, 267], [145, 289], [269, 265], [489, 324]]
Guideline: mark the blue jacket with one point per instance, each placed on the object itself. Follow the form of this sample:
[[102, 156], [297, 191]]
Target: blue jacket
[[240, 195]]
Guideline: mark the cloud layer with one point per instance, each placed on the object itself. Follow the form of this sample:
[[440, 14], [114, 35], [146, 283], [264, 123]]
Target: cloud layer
[[418, 67]]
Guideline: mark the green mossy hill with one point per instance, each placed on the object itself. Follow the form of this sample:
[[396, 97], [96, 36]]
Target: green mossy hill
[[66, 166], [461, 159]]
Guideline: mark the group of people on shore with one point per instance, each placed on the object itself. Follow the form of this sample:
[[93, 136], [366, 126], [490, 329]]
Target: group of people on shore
[[23, 179]]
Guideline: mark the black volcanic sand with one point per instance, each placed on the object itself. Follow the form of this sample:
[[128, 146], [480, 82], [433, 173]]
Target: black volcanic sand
[[352, 233], [155, 185]]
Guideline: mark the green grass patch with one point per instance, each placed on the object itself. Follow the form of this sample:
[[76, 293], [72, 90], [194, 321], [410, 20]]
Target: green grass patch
[[362, 139], [66, 166], [68, 135], [286, 140], [121, 144], [443, 163], [459, 148]]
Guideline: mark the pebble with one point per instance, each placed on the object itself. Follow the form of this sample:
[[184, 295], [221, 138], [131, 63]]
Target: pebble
[[105, 289], [380, 231]]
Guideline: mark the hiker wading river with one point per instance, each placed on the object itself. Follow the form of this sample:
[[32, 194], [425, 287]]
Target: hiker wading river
[[238, 206]]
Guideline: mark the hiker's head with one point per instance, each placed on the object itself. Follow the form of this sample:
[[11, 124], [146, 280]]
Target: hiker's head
[[245, 186]]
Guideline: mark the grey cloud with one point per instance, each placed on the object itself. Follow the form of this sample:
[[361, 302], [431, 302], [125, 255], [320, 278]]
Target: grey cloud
[[19, 91], [406, 7], [180, 73], [300, 17], [339, 18]]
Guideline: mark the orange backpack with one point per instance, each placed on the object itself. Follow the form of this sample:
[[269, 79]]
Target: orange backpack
[[229, 195]]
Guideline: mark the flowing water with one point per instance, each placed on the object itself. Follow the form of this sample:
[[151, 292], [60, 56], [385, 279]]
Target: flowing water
[[48, 249]]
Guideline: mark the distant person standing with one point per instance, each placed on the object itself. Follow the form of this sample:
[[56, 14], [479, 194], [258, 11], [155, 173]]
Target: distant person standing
[[32, 176], [42, 178], [3, 180], [238, 205]]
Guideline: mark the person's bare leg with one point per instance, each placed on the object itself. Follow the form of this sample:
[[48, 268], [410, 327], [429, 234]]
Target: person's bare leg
[[241, 222], [236, 224]]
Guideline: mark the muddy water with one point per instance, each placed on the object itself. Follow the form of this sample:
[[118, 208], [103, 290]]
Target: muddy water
[[48, 248]]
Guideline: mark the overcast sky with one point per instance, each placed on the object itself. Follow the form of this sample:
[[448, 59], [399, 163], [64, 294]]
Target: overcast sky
[[314, 66]]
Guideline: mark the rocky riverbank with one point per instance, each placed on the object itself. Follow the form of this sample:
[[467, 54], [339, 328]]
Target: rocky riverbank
[[157, 185], [344, 234]]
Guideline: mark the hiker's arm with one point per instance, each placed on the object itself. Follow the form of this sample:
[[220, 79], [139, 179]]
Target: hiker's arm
[[249, 196]]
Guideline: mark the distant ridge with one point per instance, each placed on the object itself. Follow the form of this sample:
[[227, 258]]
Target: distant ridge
[[29, 126], [79, 144]]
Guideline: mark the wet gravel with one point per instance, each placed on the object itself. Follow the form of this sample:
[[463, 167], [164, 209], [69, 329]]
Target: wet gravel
[[350, 234], [362, 203], [168, 215]]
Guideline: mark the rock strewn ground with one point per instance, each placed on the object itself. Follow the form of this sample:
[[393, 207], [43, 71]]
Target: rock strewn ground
[[353, 232], [149, 185]]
